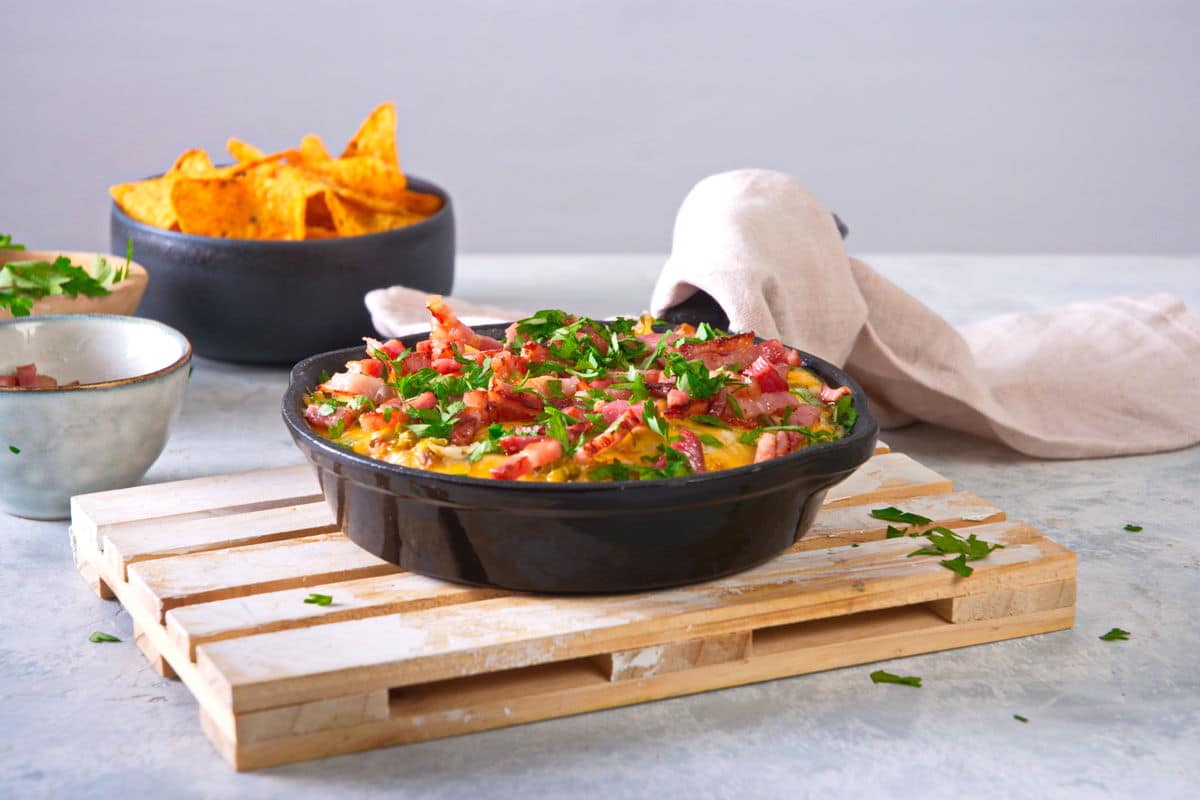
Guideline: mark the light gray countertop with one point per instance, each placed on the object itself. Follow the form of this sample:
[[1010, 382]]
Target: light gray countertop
[[1107, 719]]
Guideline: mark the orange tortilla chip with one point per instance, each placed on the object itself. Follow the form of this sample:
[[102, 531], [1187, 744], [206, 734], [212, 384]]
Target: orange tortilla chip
[[146, 201], [312, 149], [192, 162], [242, 151], [355, 219], [258, 205], [376, 137]]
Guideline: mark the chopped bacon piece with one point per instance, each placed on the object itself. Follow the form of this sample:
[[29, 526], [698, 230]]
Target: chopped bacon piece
[[678, 403], [423, 400], [27, 375], [737, 349], [535, 351], [508, 367], [355, 382], [448, 330], [510, 405], [614, 409], [379, 419], [372, 367], [392, 348], [610, 436], [517, 443], [415, 362], [774, 352], [476, 415], [535, 455], [773, 444], [314, 417], [831, 395], [804, 415], [690, 445], [766, 375], [446, 366], [8, 380]]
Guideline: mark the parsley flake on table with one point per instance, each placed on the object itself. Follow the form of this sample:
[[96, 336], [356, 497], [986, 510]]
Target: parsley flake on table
[[319, 599], [881, 676], [1019, 718], [100, 636], [943, 541], [16, 451], [1116, 635], [893, 514], [1129, 526]]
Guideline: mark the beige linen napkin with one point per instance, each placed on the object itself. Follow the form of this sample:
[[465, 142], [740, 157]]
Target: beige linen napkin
[[1084, 380]]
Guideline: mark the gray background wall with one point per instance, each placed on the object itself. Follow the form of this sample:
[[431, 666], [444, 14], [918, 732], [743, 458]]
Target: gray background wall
[[578, 126]]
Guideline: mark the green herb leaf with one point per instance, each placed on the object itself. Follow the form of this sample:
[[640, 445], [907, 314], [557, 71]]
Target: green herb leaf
[[714, 421], [893, 533], [100, 636], [958, 564], [710, 440], [324, 376], [23, 282], [362, 403], [1116, 635], [483, 448], [844, 413], [6, 243], [735, 405], [880, 676], [1129, 526], [1019, 718], [749, 437], [893, 514], [319, 599], [337, 429], [16, 451], [654, 421]]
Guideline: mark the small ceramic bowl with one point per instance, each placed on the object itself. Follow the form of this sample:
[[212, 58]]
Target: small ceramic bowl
[[276, 302], [103, 434], [123, 298]]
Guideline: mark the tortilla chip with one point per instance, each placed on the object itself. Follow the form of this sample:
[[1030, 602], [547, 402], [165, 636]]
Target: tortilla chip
[[354, 219], [191, 162], [242, 151], [268, 204], [146, 201], [376, 137], [312, 149]]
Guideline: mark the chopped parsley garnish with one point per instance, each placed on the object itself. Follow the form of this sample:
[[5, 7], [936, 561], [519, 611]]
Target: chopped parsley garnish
[[337, 429], [362, 403], [694, 377], [944, 541], [1129, 526], [16, 451], [6, 243], [844, 413], [557, 423], [749, 437], [709, 420], [436, 422], [654, 421], [319, 599], [1019, 718], [805, 395], [1116, 635], [893, 514], [100, 636], [710, 440], [880, 676], [324, 376], [24, 282], [735, 405], [893, 532]]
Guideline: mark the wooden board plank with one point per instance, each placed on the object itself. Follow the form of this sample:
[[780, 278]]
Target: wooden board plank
[[140, 541], [1006, 602], [645, 662], [846, 524], [498, 700], [892, 476], [91, 514], [190, 626], [165, 583], [300, 665]]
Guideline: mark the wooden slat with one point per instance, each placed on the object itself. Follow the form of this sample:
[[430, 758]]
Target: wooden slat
[[91, 514], [166, 583], [843, 525], [140, 541], [1006, 602], [892, 476], [300, 665], [645, 662], [319, 715], [190, 626], [498, 700]]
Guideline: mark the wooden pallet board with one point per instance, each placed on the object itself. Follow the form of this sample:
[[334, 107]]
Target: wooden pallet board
[[214, 571]]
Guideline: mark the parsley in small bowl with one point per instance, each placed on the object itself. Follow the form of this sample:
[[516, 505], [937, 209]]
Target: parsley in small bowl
[[47, 282]]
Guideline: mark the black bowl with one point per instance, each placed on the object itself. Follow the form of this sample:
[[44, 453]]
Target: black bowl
[[575, 537], [274, 302]]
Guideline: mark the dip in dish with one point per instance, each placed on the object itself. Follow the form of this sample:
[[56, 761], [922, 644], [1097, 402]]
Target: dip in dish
[[564, 398]]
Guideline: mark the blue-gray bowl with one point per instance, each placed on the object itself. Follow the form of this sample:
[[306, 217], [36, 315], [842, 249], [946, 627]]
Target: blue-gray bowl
[[276, 302]]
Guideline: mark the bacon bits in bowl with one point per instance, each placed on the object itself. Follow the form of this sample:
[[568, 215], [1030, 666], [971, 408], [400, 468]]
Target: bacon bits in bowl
[[87, 402], [267, 259], [563, 454]]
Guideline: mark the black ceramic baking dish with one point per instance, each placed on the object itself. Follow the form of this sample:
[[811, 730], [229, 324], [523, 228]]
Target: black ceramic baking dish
[[575, 537]]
